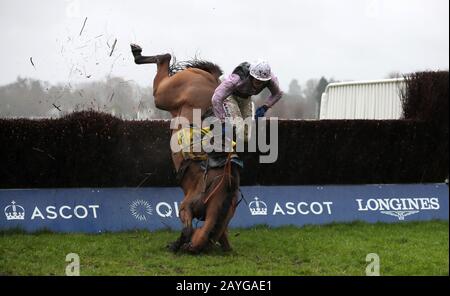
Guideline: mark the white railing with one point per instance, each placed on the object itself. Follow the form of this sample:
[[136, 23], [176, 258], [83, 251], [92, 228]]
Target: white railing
[[376, 99]]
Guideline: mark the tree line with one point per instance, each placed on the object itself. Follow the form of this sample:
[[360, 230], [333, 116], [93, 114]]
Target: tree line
[[31, 98]]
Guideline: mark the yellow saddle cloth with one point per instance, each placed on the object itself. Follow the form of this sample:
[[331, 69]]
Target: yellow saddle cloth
[[198, 137]]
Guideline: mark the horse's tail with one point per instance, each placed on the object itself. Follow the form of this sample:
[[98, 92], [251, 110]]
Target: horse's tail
[[209, 67]]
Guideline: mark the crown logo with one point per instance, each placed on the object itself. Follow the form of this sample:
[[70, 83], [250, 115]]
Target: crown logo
[[14, 212], [257, 207]]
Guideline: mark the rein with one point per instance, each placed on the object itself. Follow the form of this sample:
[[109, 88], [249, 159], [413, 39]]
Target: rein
[[227, 171]]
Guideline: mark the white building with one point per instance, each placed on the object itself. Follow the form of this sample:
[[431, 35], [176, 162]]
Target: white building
[[377, 99]]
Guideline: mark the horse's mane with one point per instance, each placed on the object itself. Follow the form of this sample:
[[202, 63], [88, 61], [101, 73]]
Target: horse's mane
[[194, 63]]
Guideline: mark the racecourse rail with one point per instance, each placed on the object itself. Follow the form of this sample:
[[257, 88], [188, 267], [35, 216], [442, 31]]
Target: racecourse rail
[[120, 209]]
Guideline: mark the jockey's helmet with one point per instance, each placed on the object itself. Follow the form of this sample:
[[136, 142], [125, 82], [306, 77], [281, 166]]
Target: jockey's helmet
[[260, 70]]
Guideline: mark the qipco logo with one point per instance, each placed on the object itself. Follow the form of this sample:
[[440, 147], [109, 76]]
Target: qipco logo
[[166, 210], [143, 210]]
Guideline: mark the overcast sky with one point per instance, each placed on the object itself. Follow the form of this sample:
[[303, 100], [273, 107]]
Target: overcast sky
[[302, 39]]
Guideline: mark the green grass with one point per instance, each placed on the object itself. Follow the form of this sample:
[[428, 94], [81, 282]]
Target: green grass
[[415, 248]]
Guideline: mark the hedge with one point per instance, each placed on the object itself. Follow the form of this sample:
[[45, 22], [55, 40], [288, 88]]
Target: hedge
[[89, 149]]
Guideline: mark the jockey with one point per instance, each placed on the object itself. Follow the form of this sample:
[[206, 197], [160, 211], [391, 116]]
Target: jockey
[[232, 98]]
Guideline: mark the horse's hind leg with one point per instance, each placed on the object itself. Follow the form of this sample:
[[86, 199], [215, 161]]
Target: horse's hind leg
[[140, 59], [162, 61], [162, 73]]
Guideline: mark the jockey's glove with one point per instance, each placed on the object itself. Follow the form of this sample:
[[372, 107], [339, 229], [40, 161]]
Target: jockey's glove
[[261, 111]]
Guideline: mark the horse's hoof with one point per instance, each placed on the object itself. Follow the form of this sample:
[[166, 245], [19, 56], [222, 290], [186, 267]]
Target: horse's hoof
[[173, 247], [187, 247], [227, 250], [136, 49]]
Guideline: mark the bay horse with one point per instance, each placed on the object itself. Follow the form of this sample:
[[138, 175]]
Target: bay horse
[[208, 196]]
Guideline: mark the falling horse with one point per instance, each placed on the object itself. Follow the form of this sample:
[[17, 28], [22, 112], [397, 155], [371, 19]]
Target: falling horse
[[210, 192]]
